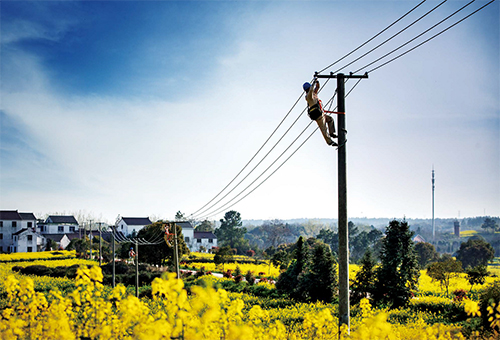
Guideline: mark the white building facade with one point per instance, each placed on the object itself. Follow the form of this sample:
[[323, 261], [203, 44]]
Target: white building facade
[[198, 241], [59, 224], [27, 241], [12, 222], [127, 225]]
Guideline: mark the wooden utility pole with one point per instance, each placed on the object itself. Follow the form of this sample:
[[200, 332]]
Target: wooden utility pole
[[113, 249], [176, 252], [136, 268], [344, 308], [100, 245]]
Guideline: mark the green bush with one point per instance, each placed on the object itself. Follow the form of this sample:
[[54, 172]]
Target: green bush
[[491, 294]]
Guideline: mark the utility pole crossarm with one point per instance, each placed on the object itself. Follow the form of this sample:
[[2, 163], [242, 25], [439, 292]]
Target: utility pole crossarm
[[350, 75]]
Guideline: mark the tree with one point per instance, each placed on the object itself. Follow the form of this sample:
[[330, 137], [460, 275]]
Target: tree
[[444, 271], [161, 253], [490, 224], [231, 233], [320, 281], [363, 284], [280, 259], [81, 246], [288, 281], [476, 275], [52, 245], [474, 252], [331, 238], [426, 253], [398, 273], [275, 232], [223, 255], [206, 225], [180, 216]]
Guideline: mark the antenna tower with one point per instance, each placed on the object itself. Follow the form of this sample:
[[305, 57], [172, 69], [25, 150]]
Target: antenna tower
[[433, 227]]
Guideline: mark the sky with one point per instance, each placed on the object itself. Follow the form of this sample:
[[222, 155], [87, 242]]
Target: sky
[[147, 108]]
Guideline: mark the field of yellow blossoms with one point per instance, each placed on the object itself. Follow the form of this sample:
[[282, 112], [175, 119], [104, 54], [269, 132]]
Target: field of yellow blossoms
[[49, 308]]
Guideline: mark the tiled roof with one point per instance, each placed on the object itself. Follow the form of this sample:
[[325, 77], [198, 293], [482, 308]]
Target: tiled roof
[[184, 224], [61, 219], [10, 215], [55, 237], [28, 216], [204, 234], [137, 220]]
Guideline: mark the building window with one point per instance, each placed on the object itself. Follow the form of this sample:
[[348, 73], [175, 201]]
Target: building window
[[186, 238], [210, 240], [1, 224], [60, 229], [30, 237], [30, 224], [198, 240], [71, 229], [1, 236], [30, 249], [14, 224]]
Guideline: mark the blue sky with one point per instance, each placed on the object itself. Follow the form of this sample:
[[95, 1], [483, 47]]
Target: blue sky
[[146, 108]]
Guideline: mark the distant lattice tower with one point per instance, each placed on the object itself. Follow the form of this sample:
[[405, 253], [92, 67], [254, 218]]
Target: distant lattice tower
[[457, 228]]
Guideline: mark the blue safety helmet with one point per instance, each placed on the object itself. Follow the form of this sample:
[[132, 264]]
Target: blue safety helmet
[[306, 86]]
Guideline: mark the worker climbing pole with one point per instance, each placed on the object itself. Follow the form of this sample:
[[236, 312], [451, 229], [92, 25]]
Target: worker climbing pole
[[344, 309]]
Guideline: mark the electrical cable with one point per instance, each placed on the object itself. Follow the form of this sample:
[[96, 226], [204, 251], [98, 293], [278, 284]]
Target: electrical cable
[[293, 106], [424, 42], [407, 13], [218, 210], [224, 207], [375, 36], [392, 37], [196, 216]]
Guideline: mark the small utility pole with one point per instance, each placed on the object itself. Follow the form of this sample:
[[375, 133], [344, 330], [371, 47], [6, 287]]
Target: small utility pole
[[136, 268], [113, 249], [176, 252], [100, 245], [344, 308], [90, 228]]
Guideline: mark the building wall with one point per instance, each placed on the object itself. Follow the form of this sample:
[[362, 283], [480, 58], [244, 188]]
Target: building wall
[[27, 242], [55, 228], [9, 227], [128, 229], [208, 244]]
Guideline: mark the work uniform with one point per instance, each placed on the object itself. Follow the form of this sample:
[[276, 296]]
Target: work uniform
[[315, 112]]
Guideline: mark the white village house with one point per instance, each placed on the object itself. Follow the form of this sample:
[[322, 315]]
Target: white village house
[[17, 232], [27, 240], [197, 240], [59, 224], [127, 225]]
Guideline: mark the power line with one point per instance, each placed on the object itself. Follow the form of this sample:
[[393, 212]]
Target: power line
[[225, 206], [434, 36], [392, 37], [293, 106], [195, 215], [375, 36], [253, 157], [217, 211]]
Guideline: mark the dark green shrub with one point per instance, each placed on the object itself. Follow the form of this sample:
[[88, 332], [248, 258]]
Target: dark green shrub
[[250, 278], [491, 294], [37, 270]]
